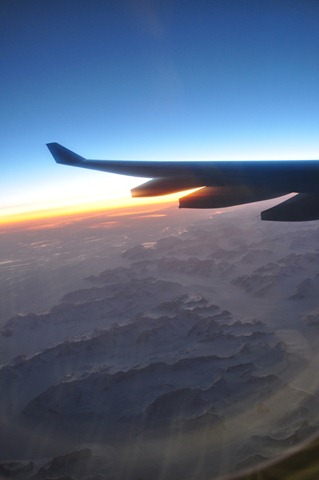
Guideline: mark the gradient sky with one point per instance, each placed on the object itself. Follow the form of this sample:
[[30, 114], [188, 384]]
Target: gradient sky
[[224, 79]]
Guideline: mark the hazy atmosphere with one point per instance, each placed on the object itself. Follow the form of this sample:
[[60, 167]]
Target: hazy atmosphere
[[138, 340], [174, 333]]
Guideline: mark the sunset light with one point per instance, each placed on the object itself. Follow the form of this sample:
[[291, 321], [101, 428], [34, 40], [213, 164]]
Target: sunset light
[[159, 337], [12, 216]]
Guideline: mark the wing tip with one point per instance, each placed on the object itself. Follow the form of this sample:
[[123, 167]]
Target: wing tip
[[63, 155]]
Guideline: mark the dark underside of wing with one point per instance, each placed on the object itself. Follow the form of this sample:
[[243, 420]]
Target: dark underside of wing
[[300, 208], [219, 183]]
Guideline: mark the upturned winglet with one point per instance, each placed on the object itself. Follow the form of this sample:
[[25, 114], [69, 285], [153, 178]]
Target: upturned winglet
[[64, 155]]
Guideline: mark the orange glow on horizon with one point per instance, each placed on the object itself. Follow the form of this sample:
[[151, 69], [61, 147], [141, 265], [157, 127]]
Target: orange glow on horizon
[[47, 217]]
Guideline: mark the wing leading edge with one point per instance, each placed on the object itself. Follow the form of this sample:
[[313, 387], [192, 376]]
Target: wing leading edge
[[220, 183]]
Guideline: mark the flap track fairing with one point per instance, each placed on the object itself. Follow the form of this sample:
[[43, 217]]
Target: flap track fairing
[[165, 186], [300, 208]]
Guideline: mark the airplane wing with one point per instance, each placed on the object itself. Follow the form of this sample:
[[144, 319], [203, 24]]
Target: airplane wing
[[220, 183]]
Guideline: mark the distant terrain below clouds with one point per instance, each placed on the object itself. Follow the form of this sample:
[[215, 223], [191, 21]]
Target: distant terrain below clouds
[[180, 329]]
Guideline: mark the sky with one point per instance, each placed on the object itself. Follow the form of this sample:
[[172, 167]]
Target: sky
[[150, 80]]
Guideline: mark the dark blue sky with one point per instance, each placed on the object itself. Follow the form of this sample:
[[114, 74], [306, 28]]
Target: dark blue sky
[[152, 80]]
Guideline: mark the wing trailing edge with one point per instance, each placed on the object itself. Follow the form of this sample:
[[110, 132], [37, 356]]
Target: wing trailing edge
[[221, 197]]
